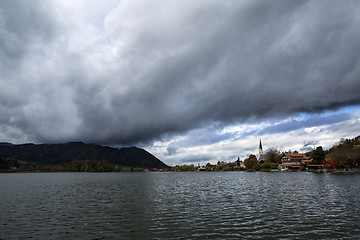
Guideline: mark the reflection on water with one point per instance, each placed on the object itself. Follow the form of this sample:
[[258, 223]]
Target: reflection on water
[[227, 205]]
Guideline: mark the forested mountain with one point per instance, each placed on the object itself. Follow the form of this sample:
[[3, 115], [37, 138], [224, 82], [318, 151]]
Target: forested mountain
[[74, 156], [346, 153]]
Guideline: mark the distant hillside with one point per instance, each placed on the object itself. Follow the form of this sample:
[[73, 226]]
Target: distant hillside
[[74, 156], [346, 154]]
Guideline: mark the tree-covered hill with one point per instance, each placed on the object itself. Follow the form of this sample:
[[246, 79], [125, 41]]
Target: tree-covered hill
[[74, 156], [346, 153]]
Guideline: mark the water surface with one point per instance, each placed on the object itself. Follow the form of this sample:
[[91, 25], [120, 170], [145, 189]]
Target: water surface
[[197, 205]]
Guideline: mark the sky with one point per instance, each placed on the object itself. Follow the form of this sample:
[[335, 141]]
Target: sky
[[190, 81]]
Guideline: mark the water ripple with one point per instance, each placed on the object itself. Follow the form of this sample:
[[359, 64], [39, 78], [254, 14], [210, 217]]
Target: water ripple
[[179, 206]]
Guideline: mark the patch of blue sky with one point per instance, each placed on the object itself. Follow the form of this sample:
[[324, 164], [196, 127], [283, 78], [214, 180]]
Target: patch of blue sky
[[348, 110]]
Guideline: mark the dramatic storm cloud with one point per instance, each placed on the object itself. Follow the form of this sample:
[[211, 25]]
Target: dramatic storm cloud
[[137, 71]]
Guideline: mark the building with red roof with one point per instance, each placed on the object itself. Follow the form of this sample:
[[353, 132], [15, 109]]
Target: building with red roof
[[293, 161]]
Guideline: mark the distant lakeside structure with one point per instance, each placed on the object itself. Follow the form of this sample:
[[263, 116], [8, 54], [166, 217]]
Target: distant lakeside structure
[[294, 161]]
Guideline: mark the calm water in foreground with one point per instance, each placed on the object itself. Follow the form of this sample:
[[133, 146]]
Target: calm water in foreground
[[218, 205]]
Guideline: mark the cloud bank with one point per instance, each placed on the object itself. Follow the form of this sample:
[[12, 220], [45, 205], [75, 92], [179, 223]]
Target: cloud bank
[[124, 72]]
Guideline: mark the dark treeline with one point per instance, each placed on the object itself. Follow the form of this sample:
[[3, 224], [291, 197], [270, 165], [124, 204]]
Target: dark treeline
[[10, 165], [74, 157]]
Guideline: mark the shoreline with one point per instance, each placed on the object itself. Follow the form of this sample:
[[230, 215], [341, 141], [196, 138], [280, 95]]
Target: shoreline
[[337, 171]]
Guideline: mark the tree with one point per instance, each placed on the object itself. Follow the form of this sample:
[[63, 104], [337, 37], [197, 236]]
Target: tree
[[252, 156], [251, 162], [318, 155], [209, 167], [345, 143], [273, 156]]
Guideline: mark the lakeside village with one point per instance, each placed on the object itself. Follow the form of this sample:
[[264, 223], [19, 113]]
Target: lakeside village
[[342, 157]]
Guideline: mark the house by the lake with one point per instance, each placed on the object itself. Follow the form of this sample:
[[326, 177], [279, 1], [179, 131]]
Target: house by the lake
[[293, 161]]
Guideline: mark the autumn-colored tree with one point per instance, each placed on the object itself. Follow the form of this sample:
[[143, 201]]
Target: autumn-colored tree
[[251, 162]]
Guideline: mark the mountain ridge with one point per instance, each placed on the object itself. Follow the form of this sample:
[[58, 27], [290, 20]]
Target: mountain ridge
[[30, 155]]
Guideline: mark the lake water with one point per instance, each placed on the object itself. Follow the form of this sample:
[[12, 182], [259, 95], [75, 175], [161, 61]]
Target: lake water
[[196, 205]]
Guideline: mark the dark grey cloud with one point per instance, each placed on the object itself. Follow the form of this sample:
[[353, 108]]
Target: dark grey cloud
[[153, 69], [23, 26]]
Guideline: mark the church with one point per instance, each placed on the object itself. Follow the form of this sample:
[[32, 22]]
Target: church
[[261, 157]]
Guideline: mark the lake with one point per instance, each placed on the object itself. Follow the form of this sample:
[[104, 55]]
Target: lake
[[195, 205]]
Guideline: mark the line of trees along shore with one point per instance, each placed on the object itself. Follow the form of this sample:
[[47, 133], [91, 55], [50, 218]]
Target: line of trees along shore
[[10, 165]]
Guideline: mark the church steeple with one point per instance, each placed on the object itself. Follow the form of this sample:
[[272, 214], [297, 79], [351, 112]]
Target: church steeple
[[260, 149]]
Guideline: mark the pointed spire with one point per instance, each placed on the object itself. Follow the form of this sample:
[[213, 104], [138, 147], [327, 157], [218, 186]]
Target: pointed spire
[[260, 150]]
